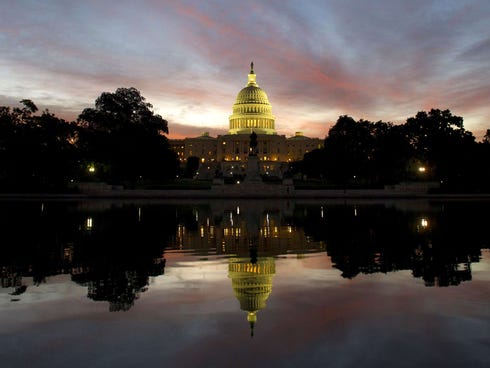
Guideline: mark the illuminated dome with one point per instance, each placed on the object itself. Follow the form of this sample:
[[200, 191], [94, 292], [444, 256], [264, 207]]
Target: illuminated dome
[[252, 110]]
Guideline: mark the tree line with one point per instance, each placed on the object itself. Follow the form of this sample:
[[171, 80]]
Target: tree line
[[119, 141], [122, 141], [430, 146]]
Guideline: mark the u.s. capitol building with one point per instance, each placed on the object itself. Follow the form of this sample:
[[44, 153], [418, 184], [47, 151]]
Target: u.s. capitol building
[[227, 154]]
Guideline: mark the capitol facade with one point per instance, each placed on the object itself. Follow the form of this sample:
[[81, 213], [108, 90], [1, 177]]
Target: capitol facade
[[227, 154]]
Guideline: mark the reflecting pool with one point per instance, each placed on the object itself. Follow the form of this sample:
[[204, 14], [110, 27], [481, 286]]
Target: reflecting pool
[[240, 283]]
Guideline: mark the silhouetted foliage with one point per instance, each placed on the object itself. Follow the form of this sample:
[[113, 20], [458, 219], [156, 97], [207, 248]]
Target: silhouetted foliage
[[313, 164], [191, 167], [36, 153], [486, 138], [125, 139], [348, 149], [440, 142], [359, 153], [390, 155], [122, 141], [365, 154]]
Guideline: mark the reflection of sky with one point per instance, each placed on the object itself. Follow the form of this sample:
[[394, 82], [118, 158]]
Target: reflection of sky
[[190, 317], [481, 270]]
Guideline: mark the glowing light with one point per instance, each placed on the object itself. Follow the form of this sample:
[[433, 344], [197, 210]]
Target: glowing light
[[91, 169], [89, 223], [422, 169], [424, 223]]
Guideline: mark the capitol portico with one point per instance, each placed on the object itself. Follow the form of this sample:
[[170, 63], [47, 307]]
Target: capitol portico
[[227, 154]]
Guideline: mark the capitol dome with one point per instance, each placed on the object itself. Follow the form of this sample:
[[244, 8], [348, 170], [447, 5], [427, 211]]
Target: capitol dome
[[252, 111]]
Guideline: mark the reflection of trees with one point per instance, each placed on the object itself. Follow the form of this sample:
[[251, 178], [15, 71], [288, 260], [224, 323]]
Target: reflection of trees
[[117, 285], [444, 255], [359, 239], [438, 268], [36, 238], [370, 239], [121, 250], [113, 251]]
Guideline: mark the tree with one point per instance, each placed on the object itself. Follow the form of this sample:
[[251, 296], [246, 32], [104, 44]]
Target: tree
[[440, 140], [348, 148], [313, 164], [36, 151], [486, 138], [191, 166], [124, 135], [391, 153], [29, 107]]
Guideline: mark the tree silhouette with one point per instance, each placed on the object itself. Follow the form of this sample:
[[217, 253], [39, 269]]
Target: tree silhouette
[[36, 151], [486, 138], [123, 134], [439, 139], [191, 166], [362, 153]]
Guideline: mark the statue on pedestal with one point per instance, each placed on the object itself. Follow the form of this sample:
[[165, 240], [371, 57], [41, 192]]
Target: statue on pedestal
[[253, 144]]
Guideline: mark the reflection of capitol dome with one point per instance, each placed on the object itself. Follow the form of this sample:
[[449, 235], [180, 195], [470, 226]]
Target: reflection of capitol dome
[[252, 284], [252, 110]]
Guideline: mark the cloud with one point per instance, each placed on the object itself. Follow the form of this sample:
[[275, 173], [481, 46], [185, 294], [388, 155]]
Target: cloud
[[379, 60]]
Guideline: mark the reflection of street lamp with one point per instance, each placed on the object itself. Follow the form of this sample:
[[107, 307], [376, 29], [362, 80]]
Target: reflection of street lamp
[[423, 224], [89, 223]]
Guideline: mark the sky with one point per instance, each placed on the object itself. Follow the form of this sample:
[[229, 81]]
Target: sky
[[316, 59]]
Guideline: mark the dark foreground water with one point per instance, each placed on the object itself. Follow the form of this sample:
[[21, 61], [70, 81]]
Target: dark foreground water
[[245, 283]]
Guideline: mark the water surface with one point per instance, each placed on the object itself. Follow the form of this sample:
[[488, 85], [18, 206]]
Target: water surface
[[241, 283]]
